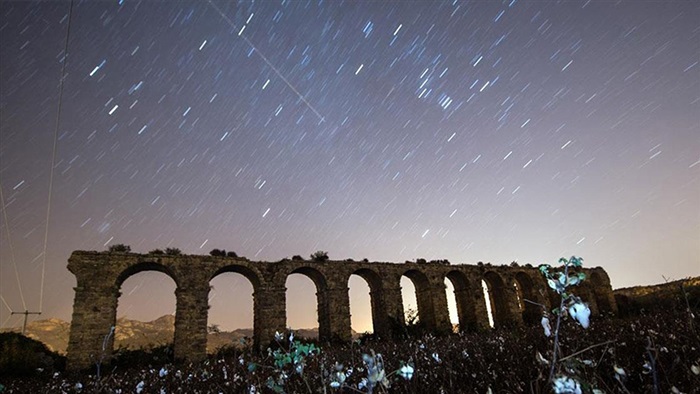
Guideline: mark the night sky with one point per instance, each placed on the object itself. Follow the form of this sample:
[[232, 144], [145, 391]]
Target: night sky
[[471, 131]]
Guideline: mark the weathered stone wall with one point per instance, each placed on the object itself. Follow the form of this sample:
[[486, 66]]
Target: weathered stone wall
[[101, 274]]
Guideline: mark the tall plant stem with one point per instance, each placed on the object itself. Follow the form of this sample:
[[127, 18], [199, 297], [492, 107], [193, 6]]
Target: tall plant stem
[[556, 330]]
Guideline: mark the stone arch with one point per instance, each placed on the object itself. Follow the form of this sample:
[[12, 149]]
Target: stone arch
[[525, 291], [138, 267], [426, 312], [249, 274], [600, 294], [464, 297], [241, 310], [323, 307], [498, 297], [376, 297], [128, 272]]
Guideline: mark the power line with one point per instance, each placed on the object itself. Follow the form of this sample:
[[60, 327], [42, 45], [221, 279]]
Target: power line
[[12, 252], [269, 63], [5, 302], [53, 158]]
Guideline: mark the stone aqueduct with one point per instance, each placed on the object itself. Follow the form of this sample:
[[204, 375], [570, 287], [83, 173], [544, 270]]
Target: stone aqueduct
[[101, 274]]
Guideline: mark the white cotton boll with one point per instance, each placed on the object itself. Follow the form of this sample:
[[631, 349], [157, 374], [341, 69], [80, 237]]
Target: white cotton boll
[[406, 372], [545, 325], [581, 313], [566, 385]]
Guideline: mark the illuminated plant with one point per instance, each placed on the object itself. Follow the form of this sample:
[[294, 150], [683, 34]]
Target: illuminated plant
[[561, 281]]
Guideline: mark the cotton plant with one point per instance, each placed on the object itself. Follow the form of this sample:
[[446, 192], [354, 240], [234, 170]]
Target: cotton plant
[[376, 376], [562, 280], [289, 359]]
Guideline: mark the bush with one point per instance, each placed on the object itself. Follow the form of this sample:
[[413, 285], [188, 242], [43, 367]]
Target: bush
[[22, 356], [319, 256], [156, 252], [132, 358], [173, 251], [296, 257], [119, 248], [218, 253], [231, 254]]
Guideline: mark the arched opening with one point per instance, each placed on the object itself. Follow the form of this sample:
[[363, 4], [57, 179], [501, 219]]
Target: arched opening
[[452, 305], [600, 294], [423, 298], [360, 305], [460, 301], [230, 318], [489, 302], [145, 314], [369, 313], [408, 299], [526, 296], [497, 299], [307, 309]]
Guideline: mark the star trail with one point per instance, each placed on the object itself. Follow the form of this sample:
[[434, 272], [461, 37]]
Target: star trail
[[492, 131]]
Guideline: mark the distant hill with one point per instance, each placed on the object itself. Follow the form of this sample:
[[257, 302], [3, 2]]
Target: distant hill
[[134, 334]]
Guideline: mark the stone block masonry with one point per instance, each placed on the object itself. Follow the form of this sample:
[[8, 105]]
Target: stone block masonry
[[101, 274]]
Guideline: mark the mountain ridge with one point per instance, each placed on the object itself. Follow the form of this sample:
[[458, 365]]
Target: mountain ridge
[[135, 334]]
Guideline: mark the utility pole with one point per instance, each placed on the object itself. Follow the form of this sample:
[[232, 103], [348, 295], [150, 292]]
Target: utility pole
[[26, 314]]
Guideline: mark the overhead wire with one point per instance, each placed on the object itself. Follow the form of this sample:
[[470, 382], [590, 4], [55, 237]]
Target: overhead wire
[[12, 252], [53, 154], [5, 302]]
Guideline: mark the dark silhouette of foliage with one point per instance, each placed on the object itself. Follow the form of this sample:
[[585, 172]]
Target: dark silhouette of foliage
[[319, 256], [119, 248], [442, 262], [21, 356], [296, 257], [421, 261], [231, 254], [126, 359], [217, 253], [173, 251], [156, 251]]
